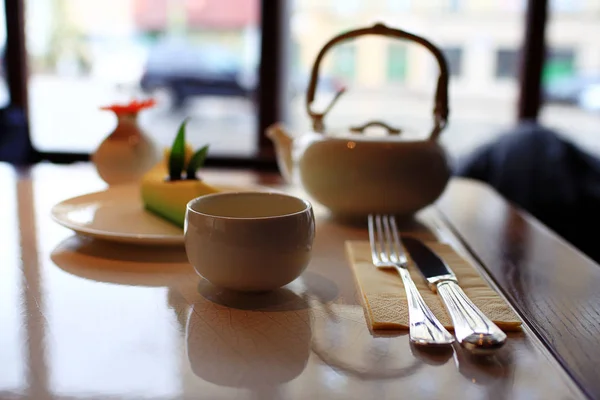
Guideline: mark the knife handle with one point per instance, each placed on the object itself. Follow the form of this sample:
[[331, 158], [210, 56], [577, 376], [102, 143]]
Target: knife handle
[[473, 330], [424, 327]]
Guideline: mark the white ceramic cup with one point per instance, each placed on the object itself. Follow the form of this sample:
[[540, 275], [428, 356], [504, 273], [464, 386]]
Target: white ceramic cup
[[249, 241]]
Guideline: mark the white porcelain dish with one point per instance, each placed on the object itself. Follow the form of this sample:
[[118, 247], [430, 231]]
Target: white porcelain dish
[[118, 215]]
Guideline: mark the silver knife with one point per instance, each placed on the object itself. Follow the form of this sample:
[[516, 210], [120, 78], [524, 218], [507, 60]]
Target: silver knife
[[473, 330]]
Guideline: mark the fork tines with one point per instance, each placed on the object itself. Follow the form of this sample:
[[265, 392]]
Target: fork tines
[[384, 239]]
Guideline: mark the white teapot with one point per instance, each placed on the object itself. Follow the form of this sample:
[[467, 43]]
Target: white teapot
[[354, 175]]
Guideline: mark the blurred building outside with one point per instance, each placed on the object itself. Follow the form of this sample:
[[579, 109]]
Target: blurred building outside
[[480, 38]]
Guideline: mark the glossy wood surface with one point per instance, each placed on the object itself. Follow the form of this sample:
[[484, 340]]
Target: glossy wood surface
[[82, 319], [554, 287]]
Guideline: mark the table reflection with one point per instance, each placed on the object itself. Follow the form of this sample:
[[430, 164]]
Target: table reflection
[[251, 349], [97, 290], [121, 264], [351, 349]]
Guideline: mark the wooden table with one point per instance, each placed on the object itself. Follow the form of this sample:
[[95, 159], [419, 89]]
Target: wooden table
[[82, 319]]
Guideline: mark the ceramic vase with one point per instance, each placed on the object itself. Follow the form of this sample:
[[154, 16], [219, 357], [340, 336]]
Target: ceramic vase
[[126, 154]]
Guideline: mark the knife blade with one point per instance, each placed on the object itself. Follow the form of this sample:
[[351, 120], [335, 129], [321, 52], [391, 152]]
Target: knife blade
[[473, 330], [429, 264]]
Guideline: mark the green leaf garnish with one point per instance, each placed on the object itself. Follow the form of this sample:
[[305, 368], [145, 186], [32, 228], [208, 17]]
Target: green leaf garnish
[[177, 156], [196, 162]]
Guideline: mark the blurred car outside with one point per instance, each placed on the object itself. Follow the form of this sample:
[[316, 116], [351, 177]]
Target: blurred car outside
[[181, 71], [176, 71]]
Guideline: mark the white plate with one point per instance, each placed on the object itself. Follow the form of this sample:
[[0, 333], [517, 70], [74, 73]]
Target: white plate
[[118, 215]]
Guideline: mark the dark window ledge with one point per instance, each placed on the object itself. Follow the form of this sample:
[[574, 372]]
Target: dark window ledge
[[260, 163]]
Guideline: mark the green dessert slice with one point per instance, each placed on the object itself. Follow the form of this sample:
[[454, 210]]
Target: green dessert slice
[[168, 199], [170, 185]]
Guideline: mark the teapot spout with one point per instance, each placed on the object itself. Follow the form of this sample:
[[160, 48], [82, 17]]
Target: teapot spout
[[283, 149]]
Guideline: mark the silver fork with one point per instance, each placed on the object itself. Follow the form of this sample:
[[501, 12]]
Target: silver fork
[[387, 252]]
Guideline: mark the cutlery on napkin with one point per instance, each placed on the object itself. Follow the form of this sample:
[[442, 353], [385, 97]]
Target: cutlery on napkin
[[473, 329], [384, 298]]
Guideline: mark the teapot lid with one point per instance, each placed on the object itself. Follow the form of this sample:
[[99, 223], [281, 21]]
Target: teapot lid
[[440, 112]]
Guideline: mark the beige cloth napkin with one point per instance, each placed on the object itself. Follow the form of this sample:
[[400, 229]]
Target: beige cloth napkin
[[384, 298]]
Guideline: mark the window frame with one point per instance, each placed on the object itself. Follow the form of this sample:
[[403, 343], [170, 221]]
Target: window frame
[[272, 73]]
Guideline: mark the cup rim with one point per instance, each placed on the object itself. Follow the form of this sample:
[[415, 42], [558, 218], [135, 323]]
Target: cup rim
[[190, 210]]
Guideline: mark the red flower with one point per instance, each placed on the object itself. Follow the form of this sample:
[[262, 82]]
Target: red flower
[[131, 108]]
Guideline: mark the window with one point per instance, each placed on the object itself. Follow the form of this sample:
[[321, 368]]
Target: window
[[559, 65], [454, 59], [559, 62], [507, 63], [396, 63], [344, 64], [198, 59], [102, 47], [571, 73]]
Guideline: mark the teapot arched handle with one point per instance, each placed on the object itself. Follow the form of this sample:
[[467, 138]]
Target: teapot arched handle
[[440, 111]]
